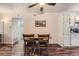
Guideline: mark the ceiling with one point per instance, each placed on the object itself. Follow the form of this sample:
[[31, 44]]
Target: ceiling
[[23, 7]]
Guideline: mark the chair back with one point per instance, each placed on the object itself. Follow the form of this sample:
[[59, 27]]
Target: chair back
[[44, 40], [28, 36], [44, 36]]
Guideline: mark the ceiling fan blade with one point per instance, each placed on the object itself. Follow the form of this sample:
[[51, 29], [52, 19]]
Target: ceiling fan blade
[[32, 5], [52, 4]]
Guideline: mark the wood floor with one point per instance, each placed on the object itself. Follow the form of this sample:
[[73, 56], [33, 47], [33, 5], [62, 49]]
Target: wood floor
[[53, 50]]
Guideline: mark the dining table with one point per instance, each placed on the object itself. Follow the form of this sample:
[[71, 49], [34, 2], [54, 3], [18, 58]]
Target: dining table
[[35, 46], [36, 49]]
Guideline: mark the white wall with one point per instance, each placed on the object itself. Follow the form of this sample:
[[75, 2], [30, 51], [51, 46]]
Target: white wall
[[61, 30], [54, 27], [51, 25], [0, 24], [7, 33], [0, 27], [57, 25], [12, 29]]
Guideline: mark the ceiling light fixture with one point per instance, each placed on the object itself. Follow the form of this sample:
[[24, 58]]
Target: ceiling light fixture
[[42, 4]]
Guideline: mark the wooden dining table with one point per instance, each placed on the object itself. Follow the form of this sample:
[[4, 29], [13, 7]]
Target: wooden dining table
[[35, 46], [36, 49]]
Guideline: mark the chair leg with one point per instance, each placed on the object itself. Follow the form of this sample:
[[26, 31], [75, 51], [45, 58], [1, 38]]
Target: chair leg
[[27, 52], [24, 51], [39, 51], [47, 51]]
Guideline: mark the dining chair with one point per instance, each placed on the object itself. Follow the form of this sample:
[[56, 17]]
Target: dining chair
[[44, 40], [28, 43]]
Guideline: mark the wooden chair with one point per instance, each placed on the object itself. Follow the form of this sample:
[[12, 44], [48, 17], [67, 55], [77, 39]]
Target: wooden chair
[[28, 43], [44, 40]]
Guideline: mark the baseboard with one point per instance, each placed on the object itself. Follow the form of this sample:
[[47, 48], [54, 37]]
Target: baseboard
[[9, 44], [71, 46], [55, 44]]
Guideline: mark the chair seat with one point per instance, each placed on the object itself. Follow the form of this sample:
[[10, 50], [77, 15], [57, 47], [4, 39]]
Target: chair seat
[[43, 45]]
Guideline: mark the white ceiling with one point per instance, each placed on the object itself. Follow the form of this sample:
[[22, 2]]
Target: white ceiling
[[20, 7]]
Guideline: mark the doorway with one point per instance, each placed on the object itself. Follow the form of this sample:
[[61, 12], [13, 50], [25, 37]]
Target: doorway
[[17, 28]]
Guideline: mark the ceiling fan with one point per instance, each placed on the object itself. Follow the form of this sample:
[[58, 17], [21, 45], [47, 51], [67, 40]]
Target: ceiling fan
[[41, 7]]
